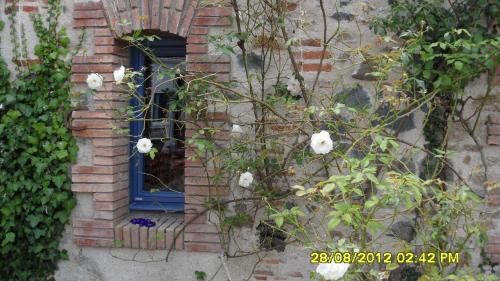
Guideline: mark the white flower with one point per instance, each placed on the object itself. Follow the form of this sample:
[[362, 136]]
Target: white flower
[[144, 145], [321, 142], [332, 271], [236, 129], [119, 74], [94, 81], [246, 179], [1, 106], [293, 85]]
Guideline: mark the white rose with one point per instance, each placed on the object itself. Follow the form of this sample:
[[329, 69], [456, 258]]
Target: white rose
[[321, 142], [144, 145], [236, 129], [94, 81], [119, 74], [293, 85], [332, 271], [246, 179]]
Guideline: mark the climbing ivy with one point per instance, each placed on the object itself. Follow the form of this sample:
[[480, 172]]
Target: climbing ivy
[[36, 151], [446, 45]]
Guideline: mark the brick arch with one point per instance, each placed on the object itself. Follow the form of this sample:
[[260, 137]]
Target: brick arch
[[173, 16], [100, 179]]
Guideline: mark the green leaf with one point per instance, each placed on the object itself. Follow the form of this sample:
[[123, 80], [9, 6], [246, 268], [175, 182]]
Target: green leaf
[[333, 223], [279, 220], [373, 226], [9, 238], [459, 65]]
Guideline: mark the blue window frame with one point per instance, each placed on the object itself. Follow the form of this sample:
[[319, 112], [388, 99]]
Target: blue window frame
[[170, 50]]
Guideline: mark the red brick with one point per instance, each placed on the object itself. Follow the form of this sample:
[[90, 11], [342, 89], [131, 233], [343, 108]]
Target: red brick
[[98, 187], [313, 54], [493, 199], [93, 68], [103, 32], [272, 261], [127, 238], [116, 160], [258, 277], [214, 12], [89, 124], [109, 50], [111, 206], [211, 21], [95, 133], [196, 49], [493, 249], [97, 59], [263, 272], [93, 242], [94, 232], [90, 23], [143, 237], [315, 67], [205, 228], [155, 14], [88, 178], [110, 142], [217, 116], [197, 30], [195, 218], [81, 169], [208, 58], [30, 9], [111, 215], [494, 140], [88, 14], [89, 223], [111, 151], [311, 42], [291, 6], [88, 6], [111, 196], [494, 130], [202, 247], [92, 114], [161, 237], [494, 119], [197, 39], [103, 41], [202, 237]]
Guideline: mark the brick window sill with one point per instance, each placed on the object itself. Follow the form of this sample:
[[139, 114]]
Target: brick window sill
[[169, 227]]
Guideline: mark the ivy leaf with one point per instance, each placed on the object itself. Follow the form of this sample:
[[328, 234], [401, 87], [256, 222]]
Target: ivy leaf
[[279, 220], [333, 223], [9, 237], [459, 65]]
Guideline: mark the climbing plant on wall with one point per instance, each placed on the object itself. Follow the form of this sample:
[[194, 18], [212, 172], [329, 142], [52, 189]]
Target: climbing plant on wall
[[35, 155], [446, 47]]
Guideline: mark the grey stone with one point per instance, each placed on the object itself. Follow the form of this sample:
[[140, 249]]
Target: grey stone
[[340, 16], [403, 230], [402, 124], [355, 97], [344, 3], [254, 60], [362, 72]]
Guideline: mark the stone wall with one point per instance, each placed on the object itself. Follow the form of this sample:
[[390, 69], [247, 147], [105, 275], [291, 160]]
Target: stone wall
[[100, 175]]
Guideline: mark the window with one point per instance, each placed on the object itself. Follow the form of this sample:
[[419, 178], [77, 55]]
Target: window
[[158, 184]]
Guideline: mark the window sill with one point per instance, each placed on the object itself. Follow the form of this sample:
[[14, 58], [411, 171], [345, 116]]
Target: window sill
[[169, 227]]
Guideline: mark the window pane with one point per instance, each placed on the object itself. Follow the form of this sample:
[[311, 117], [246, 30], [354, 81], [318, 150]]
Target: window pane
[[165, 127]]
